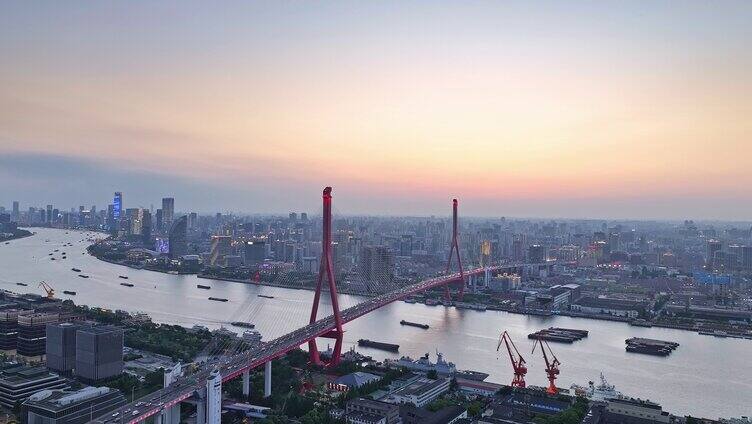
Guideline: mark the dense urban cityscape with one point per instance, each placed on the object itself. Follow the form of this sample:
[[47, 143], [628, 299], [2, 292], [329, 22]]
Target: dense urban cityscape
[[80, 362]]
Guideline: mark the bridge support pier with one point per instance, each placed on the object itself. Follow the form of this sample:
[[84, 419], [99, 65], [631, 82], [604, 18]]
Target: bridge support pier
[[246, 384], [201, 410], [268, 379]]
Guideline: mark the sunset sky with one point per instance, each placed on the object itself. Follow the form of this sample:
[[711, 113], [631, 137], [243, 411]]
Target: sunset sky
[[637, 109]]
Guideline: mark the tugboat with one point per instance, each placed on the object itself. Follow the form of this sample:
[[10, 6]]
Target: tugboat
[[83, 275], [126, 284]]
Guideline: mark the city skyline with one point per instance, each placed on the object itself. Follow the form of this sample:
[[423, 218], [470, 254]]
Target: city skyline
[[556, 110]]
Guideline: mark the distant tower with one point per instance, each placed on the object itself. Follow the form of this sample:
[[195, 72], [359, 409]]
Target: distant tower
[[168, 211], [117, 206], [214, 398]]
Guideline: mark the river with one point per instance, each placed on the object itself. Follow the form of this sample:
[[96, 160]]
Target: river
[[705, 376]]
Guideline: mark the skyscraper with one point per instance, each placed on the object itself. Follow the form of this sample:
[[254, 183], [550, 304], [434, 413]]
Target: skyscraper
[[16, 214], [178, 237], [117, 206], [99, 353], [168, 211]]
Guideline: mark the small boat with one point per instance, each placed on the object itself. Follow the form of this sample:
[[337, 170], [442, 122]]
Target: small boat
[[124, 277], [21, 284], [266, 296], [56, 250], [49, 254], [201, 286], [72, 293], [52, 259], [83, 275], [126, 284], [218, 299], [75, 270], [243, 324], [414, 324]]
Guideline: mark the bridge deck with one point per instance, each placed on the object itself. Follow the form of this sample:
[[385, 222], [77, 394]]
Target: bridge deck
[[236, 365]]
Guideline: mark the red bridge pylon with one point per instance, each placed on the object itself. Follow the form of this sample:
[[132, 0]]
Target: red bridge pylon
[[455, 248], [326, 270]]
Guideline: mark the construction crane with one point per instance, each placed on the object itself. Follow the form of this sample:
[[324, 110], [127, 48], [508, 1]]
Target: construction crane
[[48, 289], [552, 367], [518, 362]]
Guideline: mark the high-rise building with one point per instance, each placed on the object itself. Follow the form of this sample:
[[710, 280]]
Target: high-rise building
[[99, 353], [192, 221], [376, 268], [72, 406], [158, 221], [32, 334], [254, 251], [61, 347], [117, 206], [9, 329], [221, 246], [713, 246], [178, 237], [746, 261], [168, 211], [536, 254], [15, 216], [48, 218]]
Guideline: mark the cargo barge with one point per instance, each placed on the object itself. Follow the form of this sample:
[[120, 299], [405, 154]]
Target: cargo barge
[[72, 293], [218, 299], [266, 296], [650, 346], [561, 335], [83, 275], [201, 286], [379, 345], [75, 270], [243, 324], [21, 284], [126, 284], [124, 277], [414, 324]]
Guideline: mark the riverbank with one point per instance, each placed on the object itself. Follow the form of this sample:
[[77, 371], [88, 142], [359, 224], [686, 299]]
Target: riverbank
[[16, 235]]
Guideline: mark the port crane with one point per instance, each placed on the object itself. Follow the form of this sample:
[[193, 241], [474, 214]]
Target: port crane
[[48, 289], [552, 366], [518, 362]]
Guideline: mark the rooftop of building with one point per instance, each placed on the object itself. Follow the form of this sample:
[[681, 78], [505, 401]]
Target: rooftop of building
[[420, 386], [56, 400], [18, 373], [357, 379], [100, 329]]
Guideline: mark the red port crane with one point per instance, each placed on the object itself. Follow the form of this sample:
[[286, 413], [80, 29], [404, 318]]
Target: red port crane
[[552, 367], [518, 362]]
